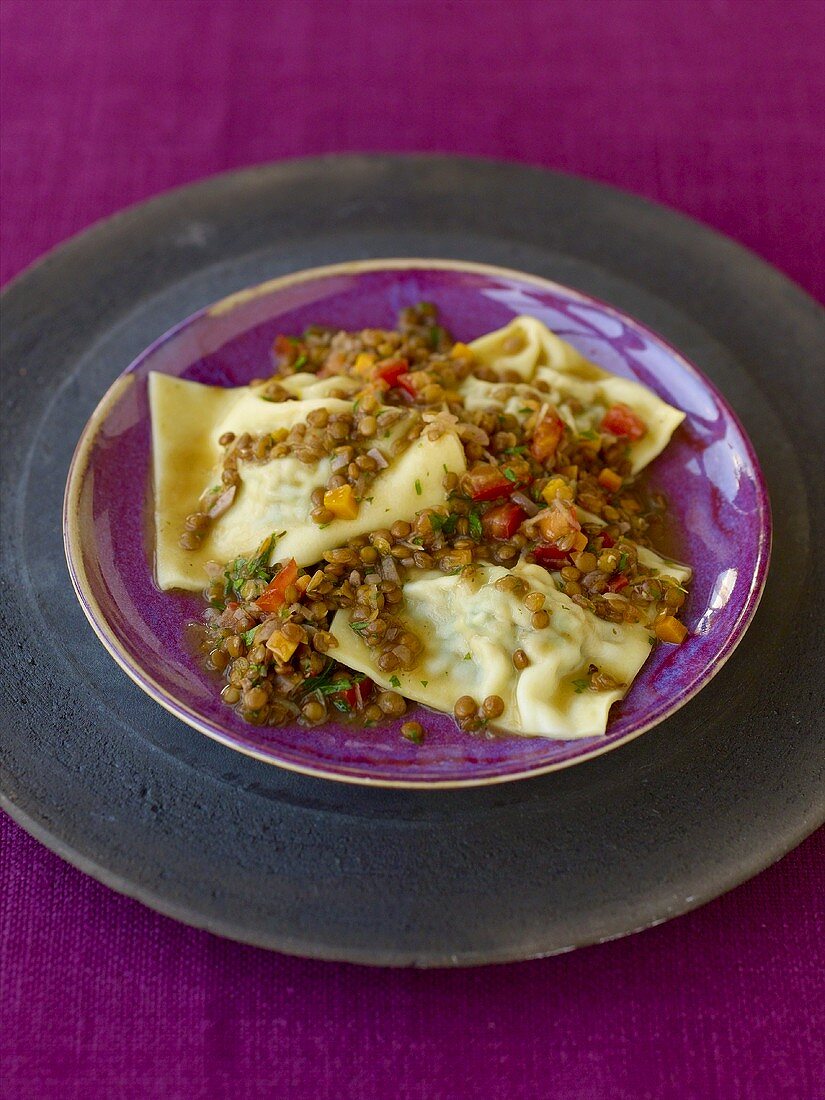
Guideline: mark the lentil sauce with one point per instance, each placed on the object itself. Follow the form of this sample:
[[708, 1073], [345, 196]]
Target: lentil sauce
[[529, 477]]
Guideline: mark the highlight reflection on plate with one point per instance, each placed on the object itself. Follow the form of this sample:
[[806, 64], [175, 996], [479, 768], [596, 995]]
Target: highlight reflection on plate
[[709, 474]]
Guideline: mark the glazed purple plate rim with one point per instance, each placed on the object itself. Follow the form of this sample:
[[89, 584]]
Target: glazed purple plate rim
[[496, 772]]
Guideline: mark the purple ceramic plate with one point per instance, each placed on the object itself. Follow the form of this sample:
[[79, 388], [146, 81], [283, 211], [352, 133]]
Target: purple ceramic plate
[[709, 474]]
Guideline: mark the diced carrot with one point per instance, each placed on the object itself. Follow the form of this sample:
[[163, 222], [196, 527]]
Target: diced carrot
[[610, 480], [669, 629], [460, 351], [556, 487], [281, 646], [363, 362], [341, 502]]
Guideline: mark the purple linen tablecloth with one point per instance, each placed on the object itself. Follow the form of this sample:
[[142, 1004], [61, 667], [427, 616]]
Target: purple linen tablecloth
[[714, 107]]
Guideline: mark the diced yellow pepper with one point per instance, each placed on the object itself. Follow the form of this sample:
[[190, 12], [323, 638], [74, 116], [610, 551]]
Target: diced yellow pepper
[[281, 646], [667, 628], [341, 502], [556, 487], [579, 543], [610, 480], [363, 361], [461, 351]]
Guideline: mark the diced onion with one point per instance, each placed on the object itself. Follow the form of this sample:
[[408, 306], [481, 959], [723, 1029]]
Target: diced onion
[[523, 501], [378, 458]]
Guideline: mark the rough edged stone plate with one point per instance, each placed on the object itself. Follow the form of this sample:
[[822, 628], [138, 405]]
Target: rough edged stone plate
[[128, 793]]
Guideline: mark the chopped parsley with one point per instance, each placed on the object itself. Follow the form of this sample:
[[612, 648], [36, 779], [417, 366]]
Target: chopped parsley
[[468, 656], [622, 562], [474, 520], [417, 487], [515, 451], [509, 474], [589, 434], [341, 704], [359, 627], [651, 640], [241, 570], [581, 685], [424, 683], [248, 635], [445, 524], [316, 683], [396, 683], [301, 361]]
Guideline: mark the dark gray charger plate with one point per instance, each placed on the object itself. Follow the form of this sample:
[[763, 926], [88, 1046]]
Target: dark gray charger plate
[[114, 784]]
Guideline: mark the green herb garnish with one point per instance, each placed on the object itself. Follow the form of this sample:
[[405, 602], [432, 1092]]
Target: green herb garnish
[[248, 635], [417, 487], [474, 520], [589, 434], [424, 683], [241, 570], [445, 524], [359, 627], [396, 683], [515, 451], [581, 685], [509, 474], [301, 361], [651, 640], [622, 562]]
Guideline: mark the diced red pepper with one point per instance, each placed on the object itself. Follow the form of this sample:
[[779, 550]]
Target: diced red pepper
[[546, 437], [486, 482], [358, 694], [621, 421], [618, 583], [607, 542], [503, 521], [392, 372], [550, 556], [272, 597]]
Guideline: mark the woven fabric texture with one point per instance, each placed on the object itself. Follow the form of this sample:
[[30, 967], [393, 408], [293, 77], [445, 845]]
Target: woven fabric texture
[[712, 106]]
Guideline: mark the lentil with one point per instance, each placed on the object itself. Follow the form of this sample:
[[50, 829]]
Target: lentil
[[368, 574]]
